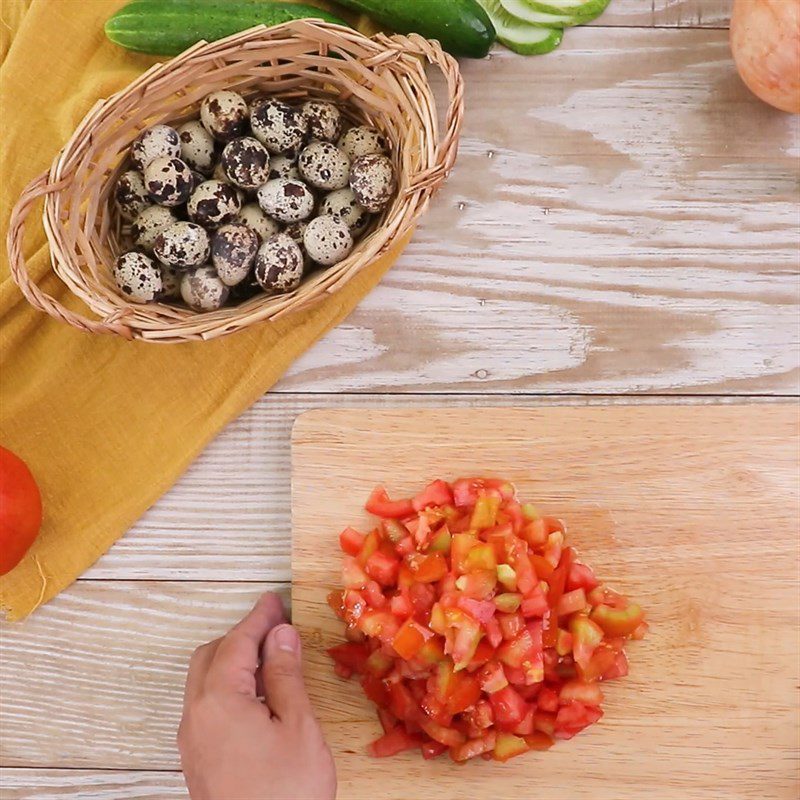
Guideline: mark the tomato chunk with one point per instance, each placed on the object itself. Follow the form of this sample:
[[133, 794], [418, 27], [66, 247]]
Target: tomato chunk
[[392, 743], [380, 505], [437, 493]]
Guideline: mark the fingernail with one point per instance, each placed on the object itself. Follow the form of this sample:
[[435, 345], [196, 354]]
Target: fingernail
[[286, 638]]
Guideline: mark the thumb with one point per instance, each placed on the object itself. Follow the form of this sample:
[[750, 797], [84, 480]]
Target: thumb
[[283, 674]]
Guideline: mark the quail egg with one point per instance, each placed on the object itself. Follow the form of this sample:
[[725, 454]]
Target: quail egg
[[233, 250], [131, 195], [372, 181], [327, 240], [253, 216], [168, 180], [170, 284], [197, 146], [286, 200], [324, 166], [213, 203], [202, 289], [138, 277], [325, 121], [362, 141], [149, 224], [279, 264], [283, 167], [182, 246], [160, 141], [342, 204], [296, 231], [245, 162], [278, 126], [224, 115]]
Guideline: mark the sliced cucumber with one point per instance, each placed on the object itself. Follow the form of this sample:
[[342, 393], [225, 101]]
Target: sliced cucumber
[[523, 12], [582, 10], [521, 37]]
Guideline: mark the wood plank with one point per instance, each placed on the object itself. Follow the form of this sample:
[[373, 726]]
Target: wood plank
[[55, 784], [228, 517], [666, 14], [662, 501], [104, 666], [622, 219]]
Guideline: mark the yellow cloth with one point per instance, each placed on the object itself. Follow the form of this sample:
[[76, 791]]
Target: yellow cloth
[[105, 425]]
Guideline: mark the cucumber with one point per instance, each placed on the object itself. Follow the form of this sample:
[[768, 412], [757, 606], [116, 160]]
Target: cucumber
[[168, 27], [527, 14], [520, 36], [462, 27], [582, 10]]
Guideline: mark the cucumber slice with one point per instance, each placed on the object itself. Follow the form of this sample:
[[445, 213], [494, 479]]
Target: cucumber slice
[[525, 13], [582, 10], [522, 38]]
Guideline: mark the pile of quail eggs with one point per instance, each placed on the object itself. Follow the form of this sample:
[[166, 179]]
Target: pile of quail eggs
[[246, 199]]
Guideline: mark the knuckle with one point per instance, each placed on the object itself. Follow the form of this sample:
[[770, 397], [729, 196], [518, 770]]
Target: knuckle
[[283, 670]]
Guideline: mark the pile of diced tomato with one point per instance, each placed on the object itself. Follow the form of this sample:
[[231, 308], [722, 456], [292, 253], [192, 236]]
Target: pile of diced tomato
[[473, 627]]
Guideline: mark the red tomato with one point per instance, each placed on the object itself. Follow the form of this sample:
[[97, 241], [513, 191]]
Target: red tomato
[[20, 510], [458, 606]]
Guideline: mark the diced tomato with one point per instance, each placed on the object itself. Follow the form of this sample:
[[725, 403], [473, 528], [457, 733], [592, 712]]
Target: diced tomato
[[619, 669], [602, 660], [379, 663], [353, 577], [483, 653], [380, 505], [382, 568], [402, 703], [379, 624], [581, 577], [535, 533], [640, 631], [400, 605], [511, 625], [535, 604], [473, 747], [547, 699], [336, 602], [374, 596], [514, 652], [351, 541], [484, 514], [544, 722], [538, 741], [440, 541], [573, 718], [493, 678], [542, 567], [559, 578], [478, 585], [449, 737], [437, 493], [553, 548], [617, 621], [342, 671], [480, 557], [526, 726], [409, 639], [392, 743], [508, 602], [604, 595], [350, 655], [427, 569], [507, 576], [375, 689], [405, 547], [461, 544], [571, 602], [387, 719], [509, 708], [587, 693], [464, 691], [515, 675], [563, 642], [480, 610], [507, 745], [465, 491], [432, 749], [493, 633], [586, 635]]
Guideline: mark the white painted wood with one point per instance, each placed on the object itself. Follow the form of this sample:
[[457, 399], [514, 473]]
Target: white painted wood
[[666, 14], [95, 678], [57, 784]]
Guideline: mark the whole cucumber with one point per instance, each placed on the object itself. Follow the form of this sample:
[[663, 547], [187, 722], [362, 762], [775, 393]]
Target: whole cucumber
[[462, 27], [167, 27]]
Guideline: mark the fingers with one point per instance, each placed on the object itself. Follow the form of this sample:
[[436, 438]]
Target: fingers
[[235, 662], [282, 673], [198, 669]]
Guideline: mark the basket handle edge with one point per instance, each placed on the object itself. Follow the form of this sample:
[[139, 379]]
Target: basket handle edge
[[432, 178], [40, 300]]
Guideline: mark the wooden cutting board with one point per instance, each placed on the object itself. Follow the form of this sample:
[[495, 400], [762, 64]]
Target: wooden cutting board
[[691, 510]]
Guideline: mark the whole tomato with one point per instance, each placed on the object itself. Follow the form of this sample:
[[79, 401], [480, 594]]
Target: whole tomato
[[20, 510]]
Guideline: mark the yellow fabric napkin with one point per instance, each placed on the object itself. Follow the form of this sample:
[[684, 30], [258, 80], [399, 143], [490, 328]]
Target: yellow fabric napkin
[[105, 425]]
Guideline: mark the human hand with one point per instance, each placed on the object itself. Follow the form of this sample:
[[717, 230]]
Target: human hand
[[235, 746]]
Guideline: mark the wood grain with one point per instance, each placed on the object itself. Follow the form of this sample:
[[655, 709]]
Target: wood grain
[[95, 678], [56, 784], [622, 218], [665, 503], [666, 14]]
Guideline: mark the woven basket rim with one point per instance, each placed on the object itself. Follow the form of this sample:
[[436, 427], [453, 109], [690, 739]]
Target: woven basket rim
[[381, 80]]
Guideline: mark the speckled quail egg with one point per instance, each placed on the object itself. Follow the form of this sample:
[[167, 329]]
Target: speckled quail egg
[[202, 289], [233, 250], [182, 246], [296, 230], [286, 200], [138, 277], [245, 162], [131, 195], [372, 181], [170, 284], [224, 115], [324, 166], [197, 146], [160, 141], [254, 217], [279, 264], [168, 180], [283, 167], [278, 126], [149, 224], [325, 121], [327, 240], [342, 204], [362, 141], [213, 203]]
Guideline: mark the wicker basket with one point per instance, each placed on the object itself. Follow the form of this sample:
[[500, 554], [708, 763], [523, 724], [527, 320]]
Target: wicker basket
[[380, 81]]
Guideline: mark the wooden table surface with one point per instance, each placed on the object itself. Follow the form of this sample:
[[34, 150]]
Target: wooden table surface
[[622, 226]]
